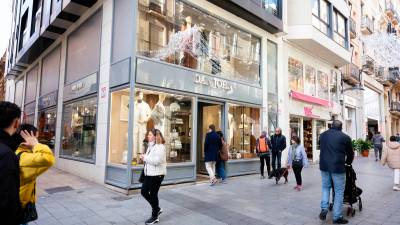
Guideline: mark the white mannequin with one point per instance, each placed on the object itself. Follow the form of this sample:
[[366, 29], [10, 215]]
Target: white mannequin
[[232, 127], [124, 158], [158, 114], [141, 116]]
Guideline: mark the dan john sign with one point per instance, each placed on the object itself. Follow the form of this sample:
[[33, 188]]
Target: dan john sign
[[213, 82]]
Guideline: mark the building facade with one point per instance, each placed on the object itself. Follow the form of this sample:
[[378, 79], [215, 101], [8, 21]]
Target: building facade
[[94, 76]]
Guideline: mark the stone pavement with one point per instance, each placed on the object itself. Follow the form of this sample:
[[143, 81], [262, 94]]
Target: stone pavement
[[67, 199]]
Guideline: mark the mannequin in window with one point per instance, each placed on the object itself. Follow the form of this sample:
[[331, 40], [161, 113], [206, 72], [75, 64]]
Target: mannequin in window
[[187, 55], [141, 116], [158, 114]]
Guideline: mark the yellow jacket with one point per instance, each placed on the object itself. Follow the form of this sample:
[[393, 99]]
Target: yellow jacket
[[32, 163]]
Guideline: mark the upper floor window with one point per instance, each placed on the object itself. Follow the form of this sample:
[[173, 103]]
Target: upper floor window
[[177, 33], [339, 28], [271, 6], [320, 18]]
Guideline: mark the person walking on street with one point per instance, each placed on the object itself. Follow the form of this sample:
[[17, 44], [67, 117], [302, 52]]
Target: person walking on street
[[391, 156], [34, 160], [278, 142], [378, 140], [336, 152], [10, 207], [155, 168], [297, 159], [263, 146], [212, 145], [222, 158]]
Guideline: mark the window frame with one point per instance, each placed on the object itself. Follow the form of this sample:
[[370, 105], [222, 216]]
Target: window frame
[[335, 19]]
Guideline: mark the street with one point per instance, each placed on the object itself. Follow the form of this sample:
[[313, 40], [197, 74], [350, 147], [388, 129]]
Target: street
[[67, 199]]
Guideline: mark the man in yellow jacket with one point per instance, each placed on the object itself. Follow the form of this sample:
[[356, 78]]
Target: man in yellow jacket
[[34, 159]]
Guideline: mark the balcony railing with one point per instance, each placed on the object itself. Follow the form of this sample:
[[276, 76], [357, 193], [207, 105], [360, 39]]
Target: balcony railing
[[395, 107], [353, 28], [368, 64], [351, 73], [394, 74], [367, 25], [389, 9]]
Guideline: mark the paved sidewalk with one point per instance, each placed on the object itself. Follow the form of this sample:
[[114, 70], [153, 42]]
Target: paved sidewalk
[[67, 199]]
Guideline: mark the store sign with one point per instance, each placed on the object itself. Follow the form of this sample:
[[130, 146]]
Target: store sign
[[80, 88], [48, 100], [308, 112], [213, 82]]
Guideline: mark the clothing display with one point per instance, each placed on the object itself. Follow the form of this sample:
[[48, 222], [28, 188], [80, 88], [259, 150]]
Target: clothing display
[[158, 114], [141, 116]]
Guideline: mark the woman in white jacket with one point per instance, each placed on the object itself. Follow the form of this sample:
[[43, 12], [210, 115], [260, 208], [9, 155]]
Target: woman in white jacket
[[155, 168]]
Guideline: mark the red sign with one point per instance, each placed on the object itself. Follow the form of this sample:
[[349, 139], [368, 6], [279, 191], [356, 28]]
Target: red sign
[[308, 112]]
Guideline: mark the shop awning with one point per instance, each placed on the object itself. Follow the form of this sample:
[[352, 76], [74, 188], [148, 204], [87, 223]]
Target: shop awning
[[310, 99]]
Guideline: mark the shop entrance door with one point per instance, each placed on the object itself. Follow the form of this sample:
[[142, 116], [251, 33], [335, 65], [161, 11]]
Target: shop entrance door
[[208, 113], [307, 135]]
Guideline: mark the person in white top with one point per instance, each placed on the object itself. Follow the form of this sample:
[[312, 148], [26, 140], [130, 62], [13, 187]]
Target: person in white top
[[155, 168]]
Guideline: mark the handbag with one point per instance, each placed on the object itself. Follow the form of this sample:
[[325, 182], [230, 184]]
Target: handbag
[[223, 153], [29, 213], [298, 162], [141, 177]]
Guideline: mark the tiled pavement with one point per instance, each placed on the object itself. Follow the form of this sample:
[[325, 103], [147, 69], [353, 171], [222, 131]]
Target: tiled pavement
[[244, 200]]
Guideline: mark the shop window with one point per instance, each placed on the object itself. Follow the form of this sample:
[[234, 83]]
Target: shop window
[[50, 72], [295, 126], [31, 82], [170, 113], [177, 33], [320, 128], [295, 75], [47, 127], [272, 112], [272, 82], [323, 86], [79, 130], [310, 80], [244, 128], [333, 84], [19, 92]]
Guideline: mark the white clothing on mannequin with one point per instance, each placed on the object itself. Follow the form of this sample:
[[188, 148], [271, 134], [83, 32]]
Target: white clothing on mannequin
[[141, 116]]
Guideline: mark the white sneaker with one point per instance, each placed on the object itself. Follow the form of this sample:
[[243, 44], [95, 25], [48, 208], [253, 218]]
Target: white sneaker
[[396, 188]]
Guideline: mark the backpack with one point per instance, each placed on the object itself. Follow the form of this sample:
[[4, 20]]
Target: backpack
[[262, 145]]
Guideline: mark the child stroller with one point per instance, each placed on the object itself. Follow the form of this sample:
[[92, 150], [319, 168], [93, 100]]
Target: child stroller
[[352, 193]]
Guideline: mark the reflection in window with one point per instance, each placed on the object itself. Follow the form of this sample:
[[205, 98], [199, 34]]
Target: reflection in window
[[320, 127], [79, 129], [295, 75], [175, 32], [47, 127], [320, 15], [323, 88], [244, 129], [339, 28], [171, 114], [310, 80]]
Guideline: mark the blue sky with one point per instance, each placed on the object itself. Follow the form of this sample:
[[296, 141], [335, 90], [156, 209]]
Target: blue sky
[[5, 21]]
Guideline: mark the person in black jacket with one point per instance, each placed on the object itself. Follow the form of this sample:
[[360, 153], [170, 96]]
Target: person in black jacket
[[9, 167], [212, 145], [336, 152], [278, 142]]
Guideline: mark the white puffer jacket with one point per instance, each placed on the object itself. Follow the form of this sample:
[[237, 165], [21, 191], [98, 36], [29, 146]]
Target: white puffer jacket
[[156, 160]]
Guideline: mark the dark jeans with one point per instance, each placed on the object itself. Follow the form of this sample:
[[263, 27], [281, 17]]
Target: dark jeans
[[378, 151], [297, 174], [151, 186], [276, 159], [267, 159], [220, 168]]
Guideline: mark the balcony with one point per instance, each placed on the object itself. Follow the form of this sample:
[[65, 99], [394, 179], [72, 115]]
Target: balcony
[[314, 35], [394, 74], [367, 25], [353, 28], [395, 107], [266, 14], [350, 74], [48, 19], [390, 9], [368, 65]]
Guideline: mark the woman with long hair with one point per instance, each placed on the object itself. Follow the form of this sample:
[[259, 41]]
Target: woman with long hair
[[297, 159], [155, 168]]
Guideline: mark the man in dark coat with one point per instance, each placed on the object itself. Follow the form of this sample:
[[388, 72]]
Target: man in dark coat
[[212, 146], [278, 142], [336, 151], [9, 166]]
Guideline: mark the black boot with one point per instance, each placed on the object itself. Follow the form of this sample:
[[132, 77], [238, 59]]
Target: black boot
[[341, 220], [322, 215]]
